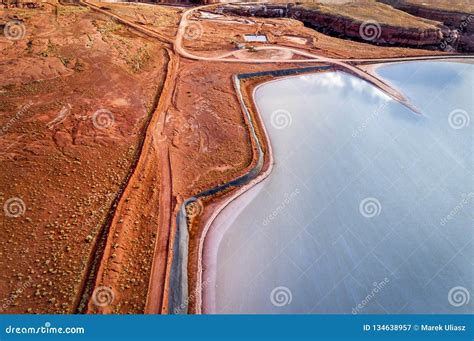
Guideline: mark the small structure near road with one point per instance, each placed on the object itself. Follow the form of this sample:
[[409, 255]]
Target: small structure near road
[[257, 38]]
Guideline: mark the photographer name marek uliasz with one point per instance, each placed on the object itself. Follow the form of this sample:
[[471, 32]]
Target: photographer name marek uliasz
[[439, 327]]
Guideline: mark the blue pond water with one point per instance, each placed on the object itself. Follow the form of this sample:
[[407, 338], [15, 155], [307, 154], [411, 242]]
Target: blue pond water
[[369, 207]]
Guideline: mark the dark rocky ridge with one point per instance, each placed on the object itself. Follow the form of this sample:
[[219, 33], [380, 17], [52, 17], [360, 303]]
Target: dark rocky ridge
[[461, 22], [436, 38]]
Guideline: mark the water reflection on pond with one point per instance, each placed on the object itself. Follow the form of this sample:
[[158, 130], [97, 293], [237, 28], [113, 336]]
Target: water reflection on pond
[[357, 214]]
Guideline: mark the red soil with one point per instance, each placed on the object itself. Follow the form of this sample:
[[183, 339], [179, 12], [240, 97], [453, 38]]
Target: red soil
[[177, 129]]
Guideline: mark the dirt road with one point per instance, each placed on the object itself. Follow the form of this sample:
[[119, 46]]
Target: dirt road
[[158, 146]]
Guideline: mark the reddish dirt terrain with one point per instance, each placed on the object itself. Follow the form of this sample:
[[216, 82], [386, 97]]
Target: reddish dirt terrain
[[222, 34], [106, 130], [76, 93]]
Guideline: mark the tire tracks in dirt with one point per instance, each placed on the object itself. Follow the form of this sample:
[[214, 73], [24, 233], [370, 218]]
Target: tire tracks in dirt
[[154, 162], [127, 243]]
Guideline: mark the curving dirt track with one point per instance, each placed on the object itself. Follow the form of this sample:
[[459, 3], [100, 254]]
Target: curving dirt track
[[156, 166], [68, 168], [145, 206], [195, 139]]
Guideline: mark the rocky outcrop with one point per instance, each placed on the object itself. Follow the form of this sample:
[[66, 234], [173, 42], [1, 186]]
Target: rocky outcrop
[[452, 18], [349, 28], [371, 31], [266, 10], [461, 23]]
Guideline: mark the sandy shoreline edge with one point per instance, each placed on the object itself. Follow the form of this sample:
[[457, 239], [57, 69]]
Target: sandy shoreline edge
[[208, 244], [178, 280]]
